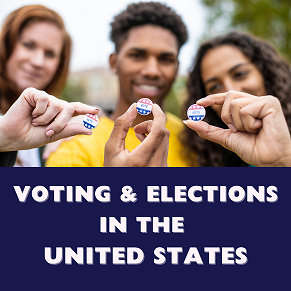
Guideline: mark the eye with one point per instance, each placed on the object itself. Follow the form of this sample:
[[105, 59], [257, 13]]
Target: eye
[[137, 56], [28, 45], [215, 88], [166, 60], [241, 74], [50, 54]]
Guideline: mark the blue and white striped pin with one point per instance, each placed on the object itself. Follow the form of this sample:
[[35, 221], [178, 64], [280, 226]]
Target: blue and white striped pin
[[196, 112], [144, 106], [90, 121]]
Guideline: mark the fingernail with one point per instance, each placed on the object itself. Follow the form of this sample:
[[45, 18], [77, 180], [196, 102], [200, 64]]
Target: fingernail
[[232, 128], [88, 133], [185, 121], [158, 106], [50, 133], [130, 107], [34, 124], [202, 99]]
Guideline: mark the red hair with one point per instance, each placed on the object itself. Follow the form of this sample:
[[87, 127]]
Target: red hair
[[12, 27]]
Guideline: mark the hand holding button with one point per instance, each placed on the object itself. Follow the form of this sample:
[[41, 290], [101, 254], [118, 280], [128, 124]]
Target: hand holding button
[[154, 137], [258, 131]]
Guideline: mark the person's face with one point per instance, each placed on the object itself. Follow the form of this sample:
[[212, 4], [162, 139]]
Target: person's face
[[146, 64], [226, 68], [36, 56]]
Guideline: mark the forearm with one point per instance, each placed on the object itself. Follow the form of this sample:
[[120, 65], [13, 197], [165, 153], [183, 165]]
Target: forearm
[[7, 158], [6, 144], [3, 141]]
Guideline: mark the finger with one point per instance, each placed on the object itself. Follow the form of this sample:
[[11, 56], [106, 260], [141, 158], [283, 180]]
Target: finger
[[82, 109], [209, 100], [241, 118], [38, 100], [160, 155], [219, 98], [141, 130], [71, 130], [158, 132], [141, 137], [60, 120], [116, 141], [155, 128], [41, 104], [226, 113], [254, 114], [144, 127], [209, 132], [55, 106]]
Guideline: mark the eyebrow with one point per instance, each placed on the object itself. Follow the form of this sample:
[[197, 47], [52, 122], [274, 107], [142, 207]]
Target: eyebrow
[[229, 71], [144, 51]]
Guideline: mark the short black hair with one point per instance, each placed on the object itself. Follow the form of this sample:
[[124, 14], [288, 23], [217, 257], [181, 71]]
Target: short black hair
[[143, 13]]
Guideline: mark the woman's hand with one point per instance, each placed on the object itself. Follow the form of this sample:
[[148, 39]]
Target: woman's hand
[[258, 131], [37, 118]]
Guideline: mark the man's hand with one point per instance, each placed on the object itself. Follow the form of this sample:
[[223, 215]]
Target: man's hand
[[257, 132], [37, 118], [152, 152]]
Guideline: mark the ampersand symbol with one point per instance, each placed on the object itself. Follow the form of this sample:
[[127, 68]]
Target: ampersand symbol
[[127, 195]]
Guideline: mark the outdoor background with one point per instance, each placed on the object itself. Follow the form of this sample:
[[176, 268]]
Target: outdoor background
[[88, 23]]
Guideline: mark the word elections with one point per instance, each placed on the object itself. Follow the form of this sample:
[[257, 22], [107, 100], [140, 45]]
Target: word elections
[[210, 193], [154, 194], [135, 255]]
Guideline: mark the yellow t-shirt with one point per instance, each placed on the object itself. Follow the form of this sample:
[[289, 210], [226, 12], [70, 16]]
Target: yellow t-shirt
[[88, 151]]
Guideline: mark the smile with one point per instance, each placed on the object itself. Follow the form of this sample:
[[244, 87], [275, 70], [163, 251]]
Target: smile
[[149, 88], [145, 90], [31, 74]]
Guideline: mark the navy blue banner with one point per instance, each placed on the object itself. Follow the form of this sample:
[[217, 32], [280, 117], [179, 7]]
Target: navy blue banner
[[168, 229]]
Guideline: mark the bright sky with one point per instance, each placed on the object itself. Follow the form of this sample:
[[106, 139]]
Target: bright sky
[[87, 21]]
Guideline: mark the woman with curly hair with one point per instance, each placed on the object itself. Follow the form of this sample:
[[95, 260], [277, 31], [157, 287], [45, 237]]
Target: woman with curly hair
[[240, 62]]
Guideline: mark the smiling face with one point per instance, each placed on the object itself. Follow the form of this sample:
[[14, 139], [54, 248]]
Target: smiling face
[[226, 68], [146, 64], [36, 56]]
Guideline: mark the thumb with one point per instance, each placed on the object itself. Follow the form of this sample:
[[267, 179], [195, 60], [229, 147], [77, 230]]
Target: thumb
[[209, 132], [121, 128], [71, 130]]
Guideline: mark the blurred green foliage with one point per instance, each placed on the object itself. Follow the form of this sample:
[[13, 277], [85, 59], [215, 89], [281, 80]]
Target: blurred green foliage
[[74, 91], [269, 19], [176, 96]]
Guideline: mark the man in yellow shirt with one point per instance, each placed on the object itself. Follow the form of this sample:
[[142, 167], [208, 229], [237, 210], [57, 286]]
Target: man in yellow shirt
[[147, 37]]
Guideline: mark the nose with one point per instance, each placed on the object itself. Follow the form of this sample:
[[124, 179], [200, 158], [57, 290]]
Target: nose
[[38, 58], [151, 69], [231, 85]]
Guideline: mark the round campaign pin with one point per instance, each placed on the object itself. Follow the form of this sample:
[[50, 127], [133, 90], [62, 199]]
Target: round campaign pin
[[196, 112], [144, 106], [90, 121]]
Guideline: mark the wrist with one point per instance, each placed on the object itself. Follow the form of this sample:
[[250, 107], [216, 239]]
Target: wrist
[[2, 136], [5, 143], [283, 161]]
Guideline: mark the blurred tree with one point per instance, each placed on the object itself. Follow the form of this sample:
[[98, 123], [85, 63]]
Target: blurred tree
[[269, 19], [74, 92], [176, 96]]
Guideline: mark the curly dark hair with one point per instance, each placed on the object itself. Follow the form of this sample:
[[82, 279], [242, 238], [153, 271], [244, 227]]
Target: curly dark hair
[[277, 78], [147, 13]]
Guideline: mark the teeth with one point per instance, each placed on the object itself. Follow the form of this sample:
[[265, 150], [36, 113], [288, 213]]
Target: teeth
[[149, 88]]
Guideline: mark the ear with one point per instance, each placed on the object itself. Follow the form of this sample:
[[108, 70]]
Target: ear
[[113, 62]]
